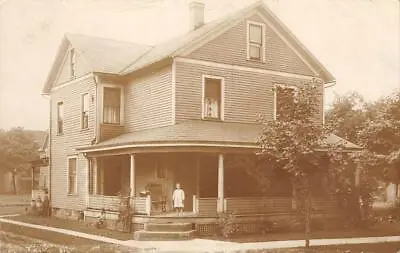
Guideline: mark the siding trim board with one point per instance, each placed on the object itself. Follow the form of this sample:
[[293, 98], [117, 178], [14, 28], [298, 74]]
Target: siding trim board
[[171, 144], [76, 80], [241, 68], [173, 90]]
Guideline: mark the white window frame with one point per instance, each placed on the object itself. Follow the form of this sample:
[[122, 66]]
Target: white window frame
[[72, 63], [203, 83], [122, 105], [83, 107], [294, 87], [263, 47], [76, 175]]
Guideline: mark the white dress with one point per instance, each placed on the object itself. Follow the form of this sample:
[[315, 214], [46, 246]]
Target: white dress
[[178, 197]]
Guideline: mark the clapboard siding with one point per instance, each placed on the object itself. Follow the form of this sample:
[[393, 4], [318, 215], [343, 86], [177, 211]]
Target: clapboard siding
[[247, 94], [64, 145], [254, 205], [148, 100], [108, 131], [64, 74], [231, 48]]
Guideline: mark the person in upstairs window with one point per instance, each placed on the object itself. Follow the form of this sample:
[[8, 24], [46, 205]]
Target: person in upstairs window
[[178, 198]]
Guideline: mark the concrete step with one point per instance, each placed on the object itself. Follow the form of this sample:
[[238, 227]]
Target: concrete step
[[168, 227], [143, 235]]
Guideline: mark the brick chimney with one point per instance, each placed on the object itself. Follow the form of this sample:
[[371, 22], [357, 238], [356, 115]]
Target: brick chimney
[[196, 8]]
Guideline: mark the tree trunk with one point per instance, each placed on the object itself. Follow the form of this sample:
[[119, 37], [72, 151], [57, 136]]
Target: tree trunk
[[308, 218]]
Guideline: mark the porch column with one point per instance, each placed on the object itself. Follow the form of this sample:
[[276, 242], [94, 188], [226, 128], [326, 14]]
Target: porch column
[[198, 177], [132, 176], [220, 203]]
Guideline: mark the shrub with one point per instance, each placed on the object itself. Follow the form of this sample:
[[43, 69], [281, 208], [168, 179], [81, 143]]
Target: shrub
[[227, 225]]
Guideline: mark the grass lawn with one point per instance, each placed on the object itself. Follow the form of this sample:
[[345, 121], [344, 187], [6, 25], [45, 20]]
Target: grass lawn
[[357, 248], [10, 242], [373, 231], [72, 225]]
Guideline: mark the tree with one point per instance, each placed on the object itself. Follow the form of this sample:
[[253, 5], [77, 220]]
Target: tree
[[294, 142], [374, 126], [380, 135], [17, 149]]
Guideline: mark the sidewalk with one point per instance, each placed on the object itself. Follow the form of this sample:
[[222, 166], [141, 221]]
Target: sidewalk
[[202, 245]]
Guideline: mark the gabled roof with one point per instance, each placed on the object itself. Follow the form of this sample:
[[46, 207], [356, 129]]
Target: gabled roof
[[200, 133], [105, 55], [121, 58]]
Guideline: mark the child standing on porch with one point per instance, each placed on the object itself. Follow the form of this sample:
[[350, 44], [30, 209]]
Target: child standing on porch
[[178, 197]]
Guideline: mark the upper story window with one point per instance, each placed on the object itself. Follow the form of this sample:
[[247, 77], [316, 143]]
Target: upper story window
[[284, 101], [255, 41], [112, 105], [72, 179], [213, 98], [73, 62], [85, 111], [60, 118]]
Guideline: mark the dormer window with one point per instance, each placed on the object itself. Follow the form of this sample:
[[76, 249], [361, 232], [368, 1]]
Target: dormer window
[[73, 63], [255, 41], [213, 98]]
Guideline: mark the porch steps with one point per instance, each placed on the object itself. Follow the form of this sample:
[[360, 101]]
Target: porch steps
[[165, 232]]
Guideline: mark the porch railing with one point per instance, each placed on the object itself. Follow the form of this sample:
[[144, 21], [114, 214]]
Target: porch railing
[[258, 205], [141, 205], [204, 206]]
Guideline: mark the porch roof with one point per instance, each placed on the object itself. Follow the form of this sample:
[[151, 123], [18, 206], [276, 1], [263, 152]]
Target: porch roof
[[200, 133]]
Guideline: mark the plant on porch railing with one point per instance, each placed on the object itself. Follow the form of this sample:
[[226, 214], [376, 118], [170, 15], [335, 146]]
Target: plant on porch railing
[[125, 212]]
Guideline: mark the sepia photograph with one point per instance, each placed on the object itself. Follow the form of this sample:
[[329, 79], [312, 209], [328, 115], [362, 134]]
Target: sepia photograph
[[200, 126]]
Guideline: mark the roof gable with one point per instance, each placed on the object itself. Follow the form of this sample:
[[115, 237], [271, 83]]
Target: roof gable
[[121, 58], [95, 55], [183, 45]]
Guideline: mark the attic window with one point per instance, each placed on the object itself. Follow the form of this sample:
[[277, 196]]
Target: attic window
[[73, 63], [255, 41]]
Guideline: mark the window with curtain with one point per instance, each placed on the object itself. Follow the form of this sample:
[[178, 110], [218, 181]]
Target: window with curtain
[[255, 42], [112, 105], [212, 98], [85, 111], [72, 180]]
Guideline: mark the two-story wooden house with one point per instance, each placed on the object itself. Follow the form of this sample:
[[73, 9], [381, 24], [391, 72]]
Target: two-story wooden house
[[129, 118]]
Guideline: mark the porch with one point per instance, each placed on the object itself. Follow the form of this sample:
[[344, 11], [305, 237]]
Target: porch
[[213, 184]]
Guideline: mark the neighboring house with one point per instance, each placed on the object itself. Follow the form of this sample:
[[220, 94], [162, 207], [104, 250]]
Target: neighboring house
[[41, 170], [128, 117], [23, 179]]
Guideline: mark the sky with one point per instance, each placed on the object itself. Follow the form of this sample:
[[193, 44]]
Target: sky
[[358, 41]]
